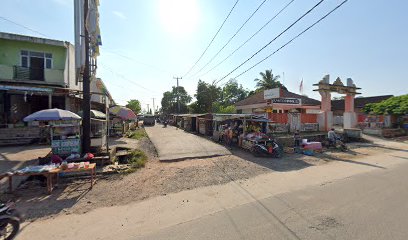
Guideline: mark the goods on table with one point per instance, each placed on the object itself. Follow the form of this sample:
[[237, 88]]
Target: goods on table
[[37, 169]]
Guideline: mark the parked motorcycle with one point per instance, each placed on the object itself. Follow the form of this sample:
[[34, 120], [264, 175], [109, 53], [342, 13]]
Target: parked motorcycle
[[165, 122], [9, 221], [267, 147]]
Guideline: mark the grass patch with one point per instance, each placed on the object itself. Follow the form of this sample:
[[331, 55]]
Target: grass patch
[[136, 134], [137, 159]]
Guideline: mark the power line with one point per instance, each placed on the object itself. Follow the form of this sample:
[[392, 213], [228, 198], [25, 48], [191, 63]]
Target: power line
[[123, 77], [280, 34], [219, 29], [229, 40], [135, 60], [290, 41], [23, 26], [266, 24]]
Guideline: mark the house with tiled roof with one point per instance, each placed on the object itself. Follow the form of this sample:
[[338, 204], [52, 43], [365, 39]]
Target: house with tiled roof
[[282, 107]]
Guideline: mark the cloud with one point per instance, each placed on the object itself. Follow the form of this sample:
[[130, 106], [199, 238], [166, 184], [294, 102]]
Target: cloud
[[119, 14]]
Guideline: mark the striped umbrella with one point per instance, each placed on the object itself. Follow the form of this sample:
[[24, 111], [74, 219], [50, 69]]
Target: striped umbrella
[[123, 112]]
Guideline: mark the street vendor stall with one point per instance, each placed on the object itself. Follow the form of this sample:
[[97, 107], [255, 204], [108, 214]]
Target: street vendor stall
[[65, 129], [65, 137], [120, 117], [51, 173]]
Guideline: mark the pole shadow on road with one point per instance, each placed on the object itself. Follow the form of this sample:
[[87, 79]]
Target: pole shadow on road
[[284, 164]]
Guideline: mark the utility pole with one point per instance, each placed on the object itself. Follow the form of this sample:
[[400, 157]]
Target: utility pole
[[86, 101], [178, 97], [147, 108], [154, 109]]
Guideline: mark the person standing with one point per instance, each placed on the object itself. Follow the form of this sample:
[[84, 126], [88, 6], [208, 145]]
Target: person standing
[[297, 138]]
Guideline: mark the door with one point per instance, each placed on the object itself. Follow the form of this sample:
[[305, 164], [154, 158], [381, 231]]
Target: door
[[294, 121], [37, 68]]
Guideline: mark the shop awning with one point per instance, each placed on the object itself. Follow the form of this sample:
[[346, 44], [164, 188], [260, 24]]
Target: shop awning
[[25, 89], [95, 114]]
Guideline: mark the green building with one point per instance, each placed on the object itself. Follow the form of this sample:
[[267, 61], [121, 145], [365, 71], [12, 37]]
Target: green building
[[35, 74]]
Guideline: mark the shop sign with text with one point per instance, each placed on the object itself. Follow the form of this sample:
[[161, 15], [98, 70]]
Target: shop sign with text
[[293, 101]]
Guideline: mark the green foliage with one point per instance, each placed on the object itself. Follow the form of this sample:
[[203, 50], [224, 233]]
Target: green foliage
[[268, 81], [232, 93], [137, 134], [395, 105], [206, 95], [219, 108], [169, 100], [134, 105], [137, 159]]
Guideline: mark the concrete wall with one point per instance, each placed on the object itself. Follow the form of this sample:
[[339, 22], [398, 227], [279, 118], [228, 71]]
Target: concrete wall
[[69, 71], [6, 72], [10, 52], [10, 55]]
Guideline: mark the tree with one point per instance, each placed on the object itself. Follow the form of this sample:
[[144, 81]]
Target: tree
[[268, 81], [169, 100], [233, 93], [134, 105], [219, 108], [395, 105], [206, 95]]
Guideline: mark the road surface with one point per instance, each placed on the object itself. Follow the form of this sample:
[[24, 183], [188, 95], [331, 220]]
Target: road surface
[[368, 206], [175, 144], [360, 199]]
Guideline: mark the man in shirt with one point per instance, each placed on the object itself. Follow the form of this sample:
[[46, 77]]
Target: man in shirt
[[332, 136]]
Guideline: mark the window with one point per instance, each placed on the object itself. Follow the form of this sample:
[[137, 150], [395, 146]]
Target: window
[[48, 60], [48, 63], [24, 61], [24, 58], [26, 55]]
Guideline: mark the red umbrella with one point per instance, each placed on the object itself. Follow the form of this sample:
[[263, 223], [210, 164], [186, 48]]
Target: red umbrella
[[123, 112]]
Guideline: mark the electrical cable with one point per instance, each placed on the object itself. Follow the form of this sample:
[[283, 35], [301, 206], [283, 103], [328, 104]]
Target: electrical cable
[[134, 60], [23, 26], [229, 40], [123, 77], [253, 35], [280, 34], [294, 38], [212, 40]]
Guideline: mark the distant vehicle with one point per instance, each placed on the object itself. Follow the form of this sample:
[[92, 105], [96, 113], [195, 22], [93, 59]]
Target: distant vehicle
[[149, 120], [140, 117]]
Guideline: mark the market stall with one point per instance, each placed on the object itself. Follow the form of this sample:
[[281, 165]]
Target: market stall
[[65, 129]]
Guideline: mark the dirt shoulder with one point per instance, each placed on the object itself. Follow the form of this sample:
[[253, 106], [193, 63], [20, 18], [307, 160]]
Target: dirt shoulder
[[73, 196]]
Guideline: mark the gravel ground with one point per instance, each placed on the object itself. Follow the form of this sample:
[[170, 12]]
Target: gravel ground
[[160, 178]]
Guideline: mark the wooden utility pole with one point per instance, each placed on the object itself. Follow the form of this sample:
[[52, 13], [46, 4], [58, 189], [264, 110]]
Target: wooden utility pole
[[178, 95], [86, 101]]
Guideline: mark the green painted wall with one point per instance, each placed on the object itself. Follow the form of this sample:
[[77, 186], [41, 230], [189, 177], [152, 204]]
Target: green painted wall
[[10, 52]]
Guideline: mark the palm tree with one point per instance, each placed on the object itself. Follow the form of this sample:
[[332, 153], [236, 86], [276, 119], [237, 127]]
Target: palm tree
[[268, 81]]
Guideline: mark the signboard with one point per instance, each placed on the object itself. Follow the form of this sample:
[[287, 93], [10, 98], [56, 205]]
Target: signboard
[[66, 147], [272, 93], [314, 111], [293, 101]]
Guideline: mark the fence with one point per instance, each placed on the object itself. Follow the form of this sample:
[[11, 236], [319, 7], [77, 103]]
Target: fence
[[278, 117], [309, 127], [279, 127], [308, 118]]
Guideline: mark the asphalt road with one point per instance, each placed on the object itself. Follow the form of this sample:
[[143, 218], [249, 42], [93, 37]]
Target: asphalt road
[[175, 144], [367, 206]]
